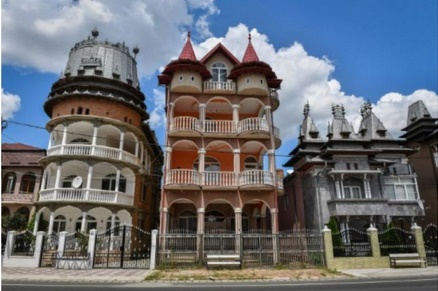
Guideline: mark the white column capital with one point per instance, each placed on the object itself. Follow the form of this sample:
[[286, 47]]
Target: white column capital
[[201, 210], [169, 149], [164, 209], [267, 107], [202, 151], [274, 210], [235, 106], [171, 104], [238, 210], [202, 105], [236, 151], [271, 152]]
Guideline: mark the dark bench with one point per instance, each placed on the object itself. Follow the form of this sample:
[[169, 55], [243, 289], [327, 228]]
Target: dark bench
[[406, 260], [222, 260]]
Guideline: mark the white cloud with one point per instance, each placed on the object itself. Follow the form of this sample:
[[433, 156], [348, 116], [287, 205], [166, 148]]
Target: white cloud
[[10, 104], [392, 108], [157, 115], [39, 34]]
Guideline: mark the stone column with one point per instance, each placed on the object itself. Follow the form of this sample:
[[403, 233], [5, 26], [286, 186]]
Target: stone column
[[236, 165], [94, 140], [121, 143], [419, 241], [200, 233], [202, 107], [61, 243], [167, 163], [91, 247], [201, 165], [374, 241], [154, 236], [235, 116], [51, 222], [64, 138], [38, 248], [57, 179], [274, 220], [89, 179], [238, 220], [84, 221]]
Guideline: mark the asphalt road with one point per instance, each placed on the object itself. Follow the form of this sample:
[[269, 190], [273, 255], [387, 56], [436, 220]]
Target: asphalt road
[[409, 284]]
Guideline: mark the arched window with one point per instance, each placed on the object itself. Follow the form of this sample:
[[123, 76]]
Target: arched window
[[59, 223], [80, 140], [28, 183], [116, 225], [210, 165], [109, 183], [187, 221], [219, 72], [251, 163], [66, 183], [9, 183], [90, 223]]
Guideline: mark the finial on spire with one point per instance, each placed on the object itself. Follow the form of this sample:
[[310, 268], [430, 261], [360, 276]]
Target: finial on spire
[[306, 109], [188, 34], [249, 36]]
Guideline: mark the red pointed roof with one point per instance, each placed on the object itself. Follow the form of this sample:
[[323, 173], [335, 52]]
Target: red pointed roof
[[222, 49], [250, 53], [251, 64], [186, 62], [187, 52]]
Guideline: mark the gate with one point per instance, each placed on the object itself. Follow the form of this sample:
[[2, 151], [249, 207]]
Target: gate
[[430, 237], [49, 250], [123, 247]]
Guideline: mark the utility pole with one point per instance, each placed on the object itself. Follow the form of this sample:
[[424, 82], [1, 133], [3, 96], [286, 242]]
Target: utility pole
[[4, 123]]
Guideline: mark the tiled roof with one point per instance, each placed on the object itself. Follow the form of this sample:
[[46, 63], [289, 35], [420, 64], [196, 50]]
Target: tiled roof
[[18, 154], [18, 147], [250, 53], [187, 52]]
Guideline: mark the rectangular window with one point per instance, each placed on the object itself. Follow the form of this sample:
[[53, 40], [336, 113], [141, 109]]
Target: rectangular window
[[401, 188], [352, 192]]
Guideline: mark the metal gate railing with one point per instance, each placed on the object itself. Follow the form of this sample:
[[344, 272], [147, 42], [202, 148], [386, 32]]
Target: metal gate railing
[[430, 237], [123, 247], [49, 250]]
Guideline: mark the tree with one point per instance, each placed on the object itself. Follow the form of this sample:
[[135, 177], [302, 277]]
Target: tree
[[15, 221]]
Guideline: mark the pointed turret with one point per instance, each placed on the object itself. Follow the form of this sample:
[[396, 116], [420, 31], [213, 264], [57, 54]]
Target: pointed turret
[[371, 127], [420, 123], [340, 127], [308, 131], [253, 71], [186, 62]]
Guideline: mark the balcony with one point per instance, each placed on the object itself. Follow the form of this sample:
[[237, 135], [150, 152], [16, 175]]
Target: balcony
[[275, 101], [185, 126], [248, 180], [228, 87], [98, 151], [97, 196], [21, 197], [219, 179], [182, 178], [223, 127], [253, 128], [256, 180], [366, 206]]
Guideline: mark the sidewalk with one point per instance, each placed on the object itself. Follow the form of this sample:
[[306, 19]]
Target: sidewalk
[[23, 274]]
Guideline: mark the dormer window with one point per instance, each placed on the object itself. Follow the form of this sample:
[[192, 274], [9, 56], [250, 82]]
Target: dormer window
[[247, 81], [192, 78], [219, 72], [180, 78]]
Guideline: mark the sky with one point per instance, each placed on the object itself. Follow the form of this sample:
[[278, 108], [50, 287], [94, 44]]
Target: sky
[[327, 52]]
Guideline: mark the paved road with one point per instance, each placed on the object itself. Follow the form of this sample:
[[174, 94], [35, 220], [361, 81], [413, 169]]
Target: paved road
[[409, 284]]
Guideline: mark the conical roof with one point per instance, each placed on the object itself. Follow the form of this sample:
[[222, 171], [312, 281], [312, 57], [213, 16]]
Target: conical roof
[[250, 53], [187, 52]]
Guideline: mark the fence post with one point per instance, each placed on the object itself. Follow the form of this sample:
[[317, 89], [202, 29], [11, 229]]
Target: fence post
[[61, 243], [38, 252], [328, 246], [374, 241], [153, 249], [92, 246], [419, 241], [10, 242]]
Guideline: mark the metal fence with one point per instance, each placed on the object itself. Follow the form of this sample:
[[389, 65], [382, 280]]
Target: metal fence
[[396, 240], [351, 243], [256, 249], [430, 237], [24, 244]]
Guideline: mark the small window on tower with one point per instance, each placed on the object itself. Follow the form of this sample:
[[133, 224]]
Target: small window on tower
[[87, 111], [72, 111], [247, 81], [192, 78], [180, 78], [79, 110], [261, 81]]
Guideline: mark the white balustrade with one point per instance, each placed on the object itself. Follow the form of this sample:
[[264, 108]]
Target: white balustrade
[[256, 177], [182, 176], [185, 123], [253, 124], [18, 197], [99, 151], [80, 195], [215, 85], [219, 179], [219, 126]]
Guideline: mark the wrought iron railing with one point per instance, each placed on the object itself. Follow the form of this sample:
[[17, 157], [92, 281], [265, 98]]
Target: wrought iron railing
[[430, 237], [396, 240], [24, 244], [351, 243]]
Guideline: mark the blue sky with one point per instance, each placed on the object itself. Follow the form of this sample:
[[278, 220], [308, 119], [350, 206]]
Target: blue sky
[[326, 52]]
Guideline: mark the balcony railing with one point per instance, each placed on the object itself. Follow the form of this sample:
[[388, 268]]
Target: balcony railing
[[27, 197], [253, 124], [219, 126], [185, 177], [222, 179], [86, 195], [185, 123], [256, 177], [96, 151], [215, 85]]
